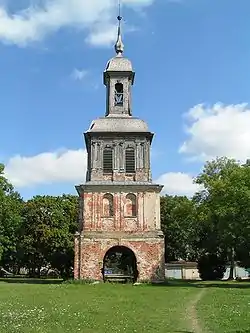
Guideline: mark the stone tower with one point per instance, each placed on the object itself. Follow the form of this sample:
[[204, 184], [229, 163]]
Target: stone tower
[[119, 206]]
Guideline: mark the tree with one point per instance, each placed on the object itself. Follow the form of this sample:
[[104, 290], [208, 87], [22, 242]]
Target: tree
[[226, 196], [47, 238], [177, 220], [62, 253], [10, 223], [211, 267], [206, 240]]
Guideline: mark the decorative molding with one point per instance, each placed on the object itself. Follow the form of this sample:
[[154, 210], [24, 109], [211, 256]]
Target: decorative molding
[[120, 187], [139, 236]]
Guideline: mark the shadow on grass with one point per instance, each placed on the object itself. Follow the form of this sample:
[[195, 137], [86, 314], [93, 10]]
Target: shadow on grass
[[183, 332], [31, 280], [204, 284], [239, 331], [169, 283]]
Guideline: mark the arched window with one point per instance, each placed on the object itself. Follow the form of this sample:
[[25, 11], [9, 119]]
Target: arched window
[[108, 205], [107, 160], [119, 94], [130, 160], [130, 205]]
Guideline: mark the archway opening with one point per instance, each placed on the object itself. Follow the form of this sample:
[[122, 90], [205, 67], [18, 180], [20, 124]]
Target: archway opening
[[119, 265]]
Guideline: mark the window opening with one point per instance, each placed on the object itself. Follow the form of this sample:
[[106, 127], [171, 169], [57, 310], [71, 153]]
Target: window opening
[[107, 160], [119, 94]]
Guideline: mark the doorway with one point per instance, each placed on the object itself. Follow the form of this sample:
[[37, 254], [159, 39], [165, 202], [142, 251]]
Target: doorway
[[119, 265]]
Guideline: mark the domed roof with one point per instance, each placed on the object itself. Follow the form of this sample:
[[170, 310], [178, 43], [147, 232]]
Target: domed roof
[[119, 63], [118, 124]]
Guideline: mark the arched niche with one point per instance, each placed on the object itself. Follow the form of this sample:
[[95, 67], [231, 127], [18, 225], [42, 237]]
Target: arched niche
[[108, 205], [130, 207]]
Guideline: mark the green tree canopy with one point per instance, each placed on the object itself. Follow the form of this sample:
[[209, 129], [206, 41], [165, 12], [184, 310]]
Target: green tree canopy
[[10, 221], [49, 225], [177, 220], [225, 199]]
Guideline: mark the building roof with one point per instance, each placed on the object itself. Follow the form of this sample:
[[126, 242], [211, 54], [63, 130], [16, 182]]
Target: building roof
[[120, 64], [118, 124]]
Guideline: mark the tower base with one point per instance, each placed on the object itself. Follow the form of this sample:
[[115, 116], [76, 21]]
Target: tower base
[[91, 248]]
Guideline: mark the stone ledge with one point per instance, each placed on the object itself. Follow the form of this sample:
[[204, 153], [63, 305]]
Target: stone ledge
[[102, 186], [149, 235]]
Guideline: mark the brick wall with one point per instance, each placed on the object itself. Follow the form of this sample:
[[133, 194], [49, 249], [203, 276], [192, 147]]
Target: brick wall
[[95, 218], [149, 255], [99, 233]]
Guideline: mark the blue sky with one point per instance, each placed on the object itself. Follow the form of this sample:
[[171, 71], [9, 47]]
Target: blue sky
[[191, 59]]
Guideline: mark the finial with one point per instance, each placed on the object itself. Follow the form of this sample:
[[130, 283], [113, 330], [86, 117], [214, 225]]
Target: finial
[[119, 47]]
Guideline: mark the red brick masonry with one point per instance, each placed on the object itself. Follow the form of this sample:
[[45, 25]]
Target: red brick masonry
[[139, 231], [90, 252]]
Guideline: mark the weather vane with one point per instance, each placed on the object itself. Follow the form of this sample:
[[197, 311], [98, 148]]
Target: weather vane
[[119, 47], [119, 17]]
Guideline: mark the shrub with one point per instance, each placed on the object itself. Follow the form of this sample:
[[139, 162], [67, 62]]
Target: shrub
[[80, 281], [211, 267]]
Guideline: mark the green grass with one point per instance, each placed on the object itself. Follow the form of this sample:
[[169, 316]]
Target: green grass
[[31, 280], [106, 308], [91, 308], [226, 309]]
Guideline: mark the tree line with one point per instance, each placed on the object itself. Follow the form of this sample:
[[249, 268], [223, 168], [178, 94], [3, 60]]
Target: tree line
[[212, 227], [36, 233]]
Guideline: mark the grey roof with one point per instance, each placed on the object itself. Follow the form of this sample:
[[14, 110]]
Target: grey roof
[[119, 64], [109, 182], [118, 124]]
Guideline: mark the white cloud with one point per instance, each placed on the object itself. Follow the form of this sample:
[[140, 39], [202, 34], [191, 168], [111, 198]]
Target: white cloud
[[78, 74], [178, 183], [47, 168], [101, 37], [219, 130], [47, 16], [69, 166]]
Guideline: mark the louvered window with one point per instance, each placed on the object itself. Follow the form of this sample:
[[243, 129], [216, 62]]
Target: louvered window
[[107, 160], [130, 160]]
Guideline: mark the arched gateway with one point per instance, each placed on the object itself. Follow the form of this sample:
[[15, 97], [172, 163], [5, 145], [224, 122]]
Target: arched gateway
[[119, 203], [119, 264]]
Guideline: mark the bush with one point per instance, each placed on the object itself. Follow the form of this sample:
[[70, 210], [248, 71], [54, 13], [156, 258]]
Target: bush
[[80, 281], [211, 267]]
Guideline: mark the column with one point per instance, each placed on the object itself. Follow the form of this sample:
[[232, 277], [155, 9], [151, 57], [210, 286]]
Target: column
[[116, 155], [121, 156]]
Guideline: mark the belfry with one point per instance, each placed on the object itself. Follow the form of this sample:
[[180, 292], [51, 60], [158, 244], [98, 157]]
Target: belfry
[[119, 205]]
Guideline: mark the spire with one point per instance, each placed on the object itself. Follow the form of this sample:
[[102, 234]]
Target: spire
[[119, 47]]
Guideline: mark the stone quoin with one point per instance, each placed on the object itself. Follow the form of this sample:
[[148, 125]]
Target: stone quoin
[[119, 205]]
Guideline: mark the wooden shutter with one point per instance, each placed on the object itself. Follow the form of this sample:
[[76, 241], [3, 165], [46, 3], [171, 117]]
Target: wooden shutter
[[130, 160], [107, 160]]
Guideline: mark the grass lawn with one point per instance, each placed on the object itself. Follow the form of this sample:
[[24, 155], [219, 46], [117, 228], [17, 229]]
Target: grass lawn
[[106, 308], [226, 308]]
